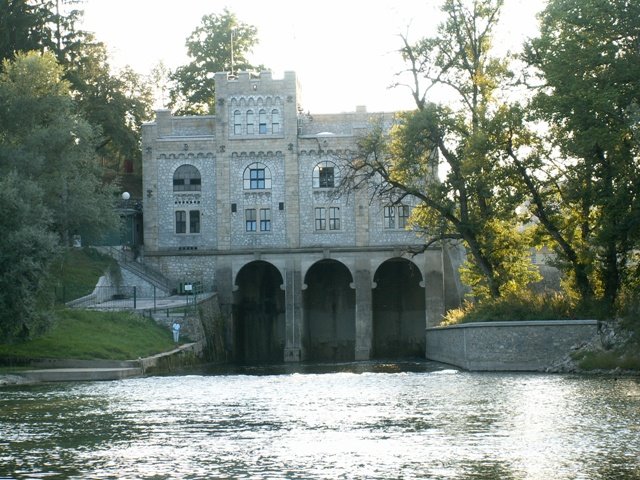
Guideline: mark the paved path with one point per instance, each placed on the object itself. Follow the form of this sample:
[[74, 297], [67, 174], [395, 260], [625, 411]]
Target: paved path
[[174, 301]]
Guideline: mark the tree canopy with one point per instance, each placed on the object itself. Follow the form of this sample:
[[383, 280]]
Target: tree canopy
[[220, 44], [586, 189], [471, 201]]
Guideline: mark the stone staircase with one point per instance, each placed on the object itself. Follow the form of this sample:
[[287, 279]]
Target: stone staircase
[[126, 261]]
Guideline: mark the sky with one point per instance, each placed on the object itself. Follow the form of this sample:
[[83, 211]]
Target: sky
[[344, 52]]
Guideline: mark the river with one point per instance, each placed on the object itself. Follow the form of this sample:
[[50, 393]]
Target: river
[[355, 420]]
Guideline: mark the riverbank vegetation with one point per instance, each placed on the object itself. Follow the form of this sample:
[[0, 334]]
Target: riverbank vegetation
[[504, 153], [537, 150], [91, 335]]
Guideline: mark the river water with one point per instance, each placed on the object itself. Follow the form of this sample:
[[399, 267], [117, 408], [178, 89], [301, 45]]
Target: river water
[[355, 420]]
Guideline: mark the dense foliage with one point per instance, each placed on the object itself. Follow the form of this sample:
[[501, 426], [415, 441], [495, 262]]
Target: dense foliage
[[67, 127], [504, 176], [220, 44], [471, 202]]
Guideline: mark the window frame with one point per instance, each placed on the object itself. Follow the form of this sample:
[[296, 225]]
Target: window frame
[[194, 221], [265, 219], [320, 216], [275, 121], [250, 122], [334, 218], [252, 180], [317, 180], [180, 217], [250, 223], [188, 178], [262, 121], [389, 217], [237, 122]]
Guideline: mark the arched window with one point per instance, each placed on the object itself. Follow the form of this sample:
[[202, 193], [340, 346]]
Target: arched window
[[275, 121], [237, 122], [250, 123], [262, 122], [186, 178], [325, 175], [257, 177]]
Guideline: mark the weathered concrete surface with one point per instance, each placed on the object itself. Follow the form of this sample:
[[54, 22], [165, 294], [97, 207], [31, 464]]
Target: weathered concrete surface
[[508, 346], [97, 370], [80, 374]]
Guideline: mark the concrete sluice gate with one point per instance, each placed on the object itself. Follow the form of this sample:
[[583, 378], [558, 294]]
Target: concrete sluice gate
[[328, 325], [259, 315]]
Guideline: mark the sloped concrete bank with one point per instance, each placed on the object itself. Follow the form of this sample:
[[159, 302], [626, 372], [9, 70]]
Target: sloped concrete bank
[[99, 370], [509, 346]]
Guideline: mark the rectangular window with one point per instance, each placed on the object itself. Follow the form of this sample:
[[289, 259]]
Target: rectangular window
[[265, 219], [250, 130], [389, 217], [262, 122], [256, 178], [237, 123], [250, 219], [326, 177], [181, 221], [403, 216], [194, 221], [321, 222], [334, 218]]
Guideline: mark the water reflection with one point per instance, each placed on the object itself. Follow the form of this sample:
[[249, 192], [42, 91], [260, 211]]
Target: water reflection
[[353, 420]]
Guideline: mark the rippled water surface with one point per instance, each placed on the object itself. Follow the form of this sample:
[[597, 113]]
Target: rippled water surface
[[361, 420]]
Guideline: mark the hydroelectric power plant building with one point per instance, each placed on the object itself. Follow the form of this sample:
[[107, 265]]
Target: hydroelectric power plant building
[[243, 203]]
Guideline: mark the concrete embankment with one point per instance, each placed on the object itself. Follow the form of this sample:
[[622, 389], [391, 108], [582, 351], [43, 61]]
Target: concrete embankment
[[96, 370], [508, 346]]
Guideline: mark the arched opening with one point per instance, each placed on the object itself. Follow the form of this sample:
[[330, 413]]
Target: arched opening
[[186, 178], [259, 314], [329, 313], [398, 305]]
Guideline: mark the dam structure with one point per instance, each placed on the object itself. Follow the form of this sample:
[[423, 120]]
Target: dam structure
[[243, 203]]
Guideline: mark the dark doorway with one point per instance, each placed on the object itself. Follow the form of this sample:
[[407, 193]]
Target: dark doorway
[[259, 319], [329, 312], [399, 318]]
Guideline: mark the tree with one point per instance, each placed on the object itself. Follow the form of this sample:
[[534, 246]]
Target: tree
[[471, 202], [220, 44], [44, 139], [586, 193], [117, 103], [27, 249]]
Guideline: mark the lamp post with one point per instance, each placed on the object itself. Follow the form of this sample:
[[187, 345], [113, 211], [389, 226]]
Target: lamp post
[[128, 219]]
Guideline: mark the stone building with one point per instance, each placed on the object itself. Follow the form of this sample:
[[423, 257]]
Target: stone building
[[243, 203]]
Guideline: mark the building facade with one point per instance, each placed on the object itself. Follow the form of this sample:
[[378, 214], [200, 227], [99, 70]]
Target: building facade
[[244, 203]]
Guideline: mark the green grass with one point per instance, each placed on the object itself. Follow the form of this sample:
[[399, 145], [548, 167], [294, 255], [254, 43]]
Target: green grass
[[78, 271], [87, 335]]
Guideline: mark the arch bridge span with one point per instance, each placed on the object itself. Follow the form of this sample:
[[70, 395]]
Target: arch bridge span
[[329, 305]]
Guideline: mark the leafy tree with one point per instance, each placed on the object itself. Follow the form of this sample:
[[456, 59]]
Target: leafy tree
[[117, 103], [220, 44], [586, 191], [27, 249], [24, 26], [44, 139], [472, 202]]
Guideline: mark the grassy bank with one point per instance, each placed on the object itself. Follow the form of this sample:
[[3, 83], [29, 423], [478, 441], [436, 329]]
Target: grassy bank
[[77, 271], [87, 335]]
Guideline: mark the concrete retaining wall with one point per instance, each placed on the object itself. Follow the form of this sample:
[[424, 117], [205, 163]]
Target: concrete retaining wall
[[508, 346]]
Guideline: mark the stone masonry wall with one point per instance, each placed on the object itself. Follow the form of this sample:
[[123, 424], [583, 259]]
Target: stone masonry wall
[[508, 346]]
